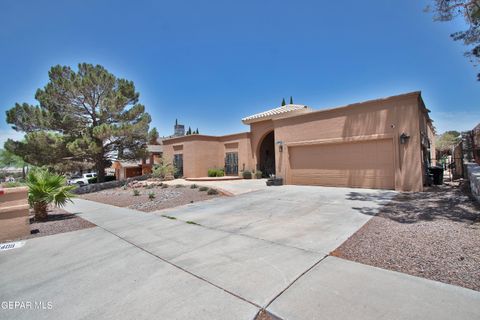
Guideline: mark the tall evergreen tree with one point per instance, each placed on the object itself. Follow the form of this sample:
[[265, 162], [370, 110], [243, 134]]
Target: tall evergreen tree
[[153, 136], [291, 100], [90, 115], [196, 132], [283, 102]]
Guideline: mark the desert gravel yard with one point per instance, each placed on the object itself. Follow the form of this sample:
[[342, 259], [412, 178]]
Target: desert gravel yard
[[59, 221], [433, 234], [164, 197]]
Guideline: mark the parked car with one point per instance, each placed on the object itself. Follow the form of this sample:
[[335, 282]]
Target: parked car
[[83, 179]]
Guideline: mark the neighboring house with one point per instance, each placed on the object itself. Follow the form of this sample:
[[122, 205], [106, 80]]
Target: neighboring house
[[129, 169], [385, 143]]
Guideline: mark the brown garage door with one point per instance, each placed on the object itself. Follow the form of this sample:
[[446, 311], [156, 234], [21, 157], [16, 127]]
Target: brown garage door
[[366, 164]]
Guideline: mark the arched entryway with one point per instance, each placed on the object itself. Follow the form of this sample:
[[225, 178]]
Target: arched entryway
[[266, 155]]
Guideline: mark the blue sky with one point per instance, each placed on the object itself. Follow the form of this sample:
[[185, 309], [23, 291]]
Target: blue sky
[[210, 63]]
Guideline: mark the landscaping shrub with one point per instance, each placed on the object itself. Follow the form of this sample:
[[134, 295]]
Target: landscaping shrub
[[212, 191], [258, 174], [164, 169], [136, 192], [164, 186], [216, 172], [179, 186], [193, 186], [149, 186], [151, 195], [203, 189], [247, 174]]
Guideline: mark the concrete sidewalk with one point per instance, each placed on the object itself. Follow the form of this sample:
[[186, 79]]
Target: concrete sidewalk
[[93, 274], [341, 289], [138, 265]]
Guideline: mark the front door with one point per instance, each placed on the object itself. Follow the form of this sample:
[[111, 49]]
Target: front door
[[231, 163]]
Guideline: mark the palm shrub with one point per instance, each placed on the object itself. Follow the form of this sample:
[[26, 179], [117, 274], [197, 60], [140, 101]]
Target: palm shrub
[[45, 188]]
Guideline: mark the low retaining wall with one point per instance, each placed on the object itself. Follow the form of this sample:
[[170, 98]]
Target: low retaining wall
[[94, 187], [473, 172], [14, 213]]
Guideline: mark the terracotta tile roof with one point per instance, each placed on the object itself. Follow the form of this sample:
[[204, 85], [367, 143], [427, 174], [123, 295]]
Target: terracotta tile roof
[[273, 113]]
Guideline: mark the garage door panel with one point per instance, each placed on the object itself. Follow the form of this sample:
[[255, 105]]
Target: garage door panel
[[367, 164]]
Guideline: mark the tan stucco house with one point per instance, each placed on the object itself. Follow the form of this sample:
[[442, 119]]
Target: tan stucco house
[[385, 143]]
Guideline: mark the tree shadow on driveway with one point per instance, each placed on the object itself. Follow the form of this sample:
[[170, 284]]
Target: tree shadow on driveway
[[451, 201]]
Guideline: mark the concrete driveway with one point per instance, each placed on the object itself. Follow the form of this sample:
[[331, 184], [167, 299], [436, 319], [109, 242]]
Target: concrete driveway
[[317, 219], [223, 258]]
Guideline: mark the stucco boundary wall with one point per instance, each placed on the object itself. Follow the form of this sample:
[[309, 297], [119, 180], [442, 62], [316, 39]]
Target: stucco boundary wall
[[473, 172], [14, 213], [94, 187]]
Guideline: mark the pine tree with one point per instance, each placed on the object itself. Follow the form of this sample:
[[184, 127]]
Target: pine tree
[[196, 132], [283, 102], [153, 136], [189, 131], [88, 115], [291, 100]]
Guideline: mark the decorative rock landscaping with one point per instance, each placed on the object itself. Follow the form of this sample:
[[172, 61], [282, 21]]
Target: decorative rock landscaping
[[151, 195], [433, 234]]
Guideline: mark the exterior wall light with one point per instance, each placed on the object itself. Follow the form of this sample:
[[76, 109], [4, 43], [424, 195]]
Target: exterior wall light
[[280, 146], [404, 138]]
